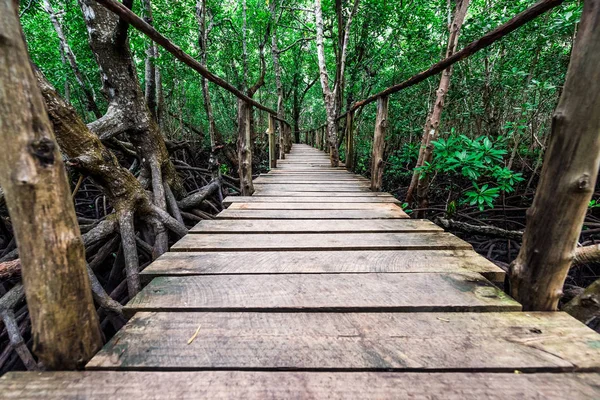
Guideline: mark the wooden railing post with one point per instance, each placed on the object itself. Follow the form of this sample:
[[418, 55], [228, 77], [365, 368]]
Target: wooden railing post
[[379, 144], [290, 138], [318, 138], [64, 323], [271, 134], [568, 178], [245, 148], [350, 141], [281, 140]]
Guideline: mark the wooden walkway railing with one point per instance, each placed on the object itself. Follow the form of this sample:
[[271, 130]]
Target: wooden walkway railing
[[316, 287]]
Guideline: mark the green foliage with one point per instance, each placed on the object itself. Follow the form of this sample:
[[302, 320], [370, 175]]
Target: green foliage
[[594, 204], [482, 196], [476, 160], [500, 100]]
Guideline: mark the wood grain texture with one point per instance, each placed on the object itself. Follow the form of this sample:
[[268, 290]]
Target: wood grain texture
[[316, 183], [478, 342], [336, 172], [292, 187], [309, 180], [315, 206], [312, 292], [299, 167], [313, 177], [320, 241], [285, 193], [252, 385], [320, 262], [307, 199], [311, 214], [313, 226]]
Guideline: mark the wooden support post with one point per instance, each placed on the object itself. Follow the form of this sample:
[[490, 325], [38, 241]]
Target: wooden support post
[[64, 323], [281, 140], [379, 144], [568, 177], [244, 147], [350, 141], [272, 146], [288, 138], [318, 138]]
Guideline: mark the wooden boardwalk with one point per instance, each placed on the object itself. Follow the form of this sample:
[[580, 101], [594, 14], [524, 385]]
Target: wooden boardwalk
[[316, 287]]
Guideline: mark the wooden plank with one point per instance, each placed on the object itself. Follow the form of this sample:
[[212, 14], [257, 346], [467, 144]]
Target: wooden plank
[[310, 178], [329, 171], [305, 163], [307, 199], [313, 226], [313, 206], [308, 157], [308, 168], [320, 241], [317, 293], [311, 214], [478, 342], [257, 385], [270, 193], [316, 183], [291, 187], [321, 262]]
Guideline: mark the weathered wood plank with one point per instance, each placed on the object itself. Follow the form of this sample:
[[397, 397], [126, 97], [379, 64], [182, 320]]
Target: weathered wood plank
[[306, 262], [254, 385], [320, 241], [292, 187], [330, 174], [331, 171], [312, 292], [313, 206], [269, 193], [311, 214], [314, 226], [316, 183], [307, 157], [309, 178], [498, 342], [307, 199], [308, 168]]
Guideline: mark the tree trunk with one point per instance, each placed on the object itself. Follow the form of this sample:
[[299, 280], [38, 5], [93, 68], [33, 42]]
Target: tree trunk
[[244, 145], [328, 95], [86, 153], [150, 91], [65, 328], [379, 144], [278, 84], [215, 136], [272, 147], [430, 132], [66, 51], [127, 111], [567, 180], [343, 38], [350, 141]]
